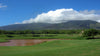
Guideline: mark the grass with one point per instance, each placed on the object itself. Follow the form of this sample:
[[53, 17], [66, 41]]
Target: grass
[[39, 36], [55, 48], [3, 37], [3, 40]]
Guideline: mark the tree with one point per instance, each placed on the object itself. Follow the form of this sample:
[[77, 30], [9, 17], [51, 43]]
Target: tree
[[90, 33]]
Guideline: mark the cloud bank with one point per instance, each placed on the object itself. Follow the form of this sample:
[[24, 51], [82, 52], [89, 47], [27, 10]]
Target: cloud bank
[[64, 15], [2, 6]]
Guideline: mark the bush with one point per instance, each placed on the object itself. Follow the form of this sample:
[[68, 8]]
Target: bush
[[10, 36], [90, 33]]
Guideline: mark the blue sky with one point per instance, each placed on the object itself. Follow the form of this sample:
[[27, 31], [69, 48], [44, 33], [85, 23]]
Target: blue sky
[[20, 10]]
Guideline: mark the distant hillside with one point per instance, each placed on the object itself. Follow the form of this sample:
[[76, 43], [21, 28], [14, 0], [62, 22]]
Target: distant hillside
[[75, 24], [32, 26]]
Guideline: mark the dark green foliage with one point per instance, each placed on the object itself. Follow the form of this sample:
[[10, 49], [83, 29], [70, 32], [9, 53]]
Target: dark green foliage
[[44, 35], [36, 35], [90, 33], [99, 32], [41, 32], [10, 36]]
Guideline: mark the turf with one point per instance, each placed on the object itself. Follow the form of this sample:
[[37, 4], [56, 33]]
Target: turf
[[3, 40], [55, 48], [3, 37]]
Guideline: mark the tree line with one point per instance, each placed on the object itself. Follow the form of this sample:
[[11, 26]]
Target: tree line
[[41, 32]]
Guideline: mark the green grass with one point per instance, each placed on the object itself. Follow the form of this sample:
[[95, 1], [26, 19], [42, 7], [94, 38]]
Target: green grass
[[3, 40], [55, 48], [3, 37], [39, 36]]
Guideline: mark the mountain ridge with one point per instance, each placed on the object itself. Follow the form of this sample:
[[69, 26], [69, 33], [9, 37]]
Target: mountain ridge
[[74, 24]]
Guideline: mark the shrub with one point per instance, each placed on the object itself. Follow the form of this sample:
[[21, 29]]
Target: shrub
[[90, 33], [10, 36]]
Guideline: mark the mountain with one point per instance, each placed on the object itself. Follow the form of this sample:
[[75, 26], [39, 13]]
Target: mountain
[[32, 26], [75, 24]]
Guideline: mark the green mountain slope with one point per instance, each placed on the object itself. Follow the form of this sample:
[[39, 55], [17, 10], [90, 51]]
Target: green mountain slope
[[75, 24]]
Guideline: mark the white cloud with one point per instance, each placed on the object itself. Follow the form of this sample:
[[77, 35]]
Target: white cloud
[[17, 23], [2, 6], [64, 15]]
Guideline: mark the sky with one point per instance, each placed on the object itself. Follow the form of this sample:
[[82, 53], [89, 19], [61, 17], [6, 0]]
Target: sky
[[47, 11]]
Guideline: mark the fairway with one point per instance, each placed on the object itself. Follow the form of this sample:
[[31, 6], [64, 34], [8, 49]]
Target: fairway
[[55, 48]]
